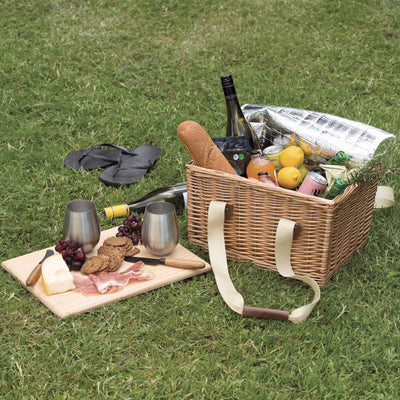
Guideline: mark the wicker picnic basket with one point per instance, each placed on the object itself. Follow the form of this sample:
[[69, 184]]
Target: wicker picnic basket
[[330, 231]]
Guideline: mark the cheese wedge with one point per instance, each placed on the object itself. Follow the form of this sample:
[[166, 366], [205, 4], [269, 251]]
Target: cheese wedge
[[56, 276]]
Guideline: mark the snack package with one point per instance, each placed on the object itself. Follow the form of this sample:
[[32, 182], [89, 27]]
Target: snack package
[[333, 172], [236, 150]]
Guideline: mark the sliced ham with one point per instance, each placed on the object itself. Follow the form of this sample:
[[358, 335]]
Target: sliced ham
[[84, 285], [106, 280], [109, 282]]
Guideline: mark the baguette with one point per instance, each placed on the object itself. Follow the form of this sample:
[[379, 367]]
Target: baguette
[[201, 147]]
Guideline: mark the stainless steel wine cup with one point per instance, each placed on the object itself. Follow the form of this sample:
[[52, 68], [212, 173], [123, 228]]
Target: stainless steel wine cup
[[81, 224], [160, 230]]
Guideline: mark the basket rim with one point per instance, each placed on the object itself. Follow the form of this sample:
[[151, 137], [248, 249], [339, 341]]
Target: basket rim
[[272, 188]]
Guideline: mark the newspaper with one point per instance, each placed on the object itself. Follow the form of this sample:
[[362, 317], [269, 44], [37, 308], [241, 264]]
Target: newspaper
[[325, 134]]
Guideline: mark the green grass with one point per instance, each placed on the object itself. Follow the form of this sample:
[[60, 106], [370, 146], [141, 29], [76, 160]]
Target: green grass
[[78, 73]]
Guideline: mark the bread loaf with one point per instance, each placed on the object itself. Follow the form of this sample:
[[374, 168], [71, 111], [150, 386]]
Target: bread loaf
[[201, 147]]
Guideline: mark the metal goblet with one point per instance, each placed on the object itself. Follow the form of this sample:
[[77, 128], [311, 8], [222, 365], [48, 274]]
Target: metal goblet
[[81, 224], [160, 230]]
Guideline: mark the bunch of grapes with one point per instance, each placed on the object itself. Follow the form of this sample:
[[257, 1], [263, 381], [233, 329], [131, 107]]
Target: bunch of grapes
[[131, 228], [73, 255]]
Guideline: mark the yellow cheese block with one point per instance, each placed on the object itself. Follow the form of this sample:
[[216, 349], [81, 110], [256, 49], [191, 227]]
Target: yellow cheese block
[[56, 276]]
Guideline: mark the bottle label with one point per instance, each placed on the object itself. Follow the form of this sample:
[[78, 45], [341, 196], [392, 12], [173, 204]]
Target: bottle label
[[229, 97], [116, 211], [235, 150]]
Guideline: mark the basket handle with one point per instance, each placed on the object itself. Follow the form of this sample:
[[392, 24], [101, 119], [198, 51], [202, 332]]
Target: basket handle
[[384, 197], [283, 243], [265, 313]]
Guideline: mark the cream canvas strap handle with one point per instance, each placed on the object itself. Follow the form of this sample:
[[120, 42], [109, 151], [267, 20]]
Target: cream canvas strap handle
[[284, 236], [384, 197]]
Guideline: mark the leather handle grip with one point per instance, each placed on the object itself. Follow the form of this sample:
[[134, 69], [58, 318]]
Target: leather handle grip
[[265, 313], [34, 275], [175, 262]]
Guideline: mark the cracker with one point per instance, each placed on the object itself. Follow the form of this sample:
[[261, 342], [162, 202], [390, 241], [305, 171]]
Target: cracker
[[95, 264], [111, 251], [131, 252], [113, 263], [118, 241]]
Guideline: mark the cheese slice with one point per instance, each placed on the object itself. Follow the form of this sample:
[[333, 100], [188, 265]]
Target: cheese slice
[[56, 276]]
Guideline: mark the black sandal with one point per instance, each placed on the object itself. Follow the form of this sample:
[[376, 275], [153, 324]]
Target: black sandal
[[129, 170], [95, 157]]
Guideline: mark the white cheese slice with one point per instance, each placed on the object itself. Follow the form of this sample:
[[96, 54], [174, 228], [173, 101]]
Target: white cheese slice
[[56, 276]]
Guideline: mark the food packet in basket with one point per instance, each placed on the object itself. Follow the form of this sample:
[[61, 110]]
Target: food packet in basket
[[333, 172], [236, 150]]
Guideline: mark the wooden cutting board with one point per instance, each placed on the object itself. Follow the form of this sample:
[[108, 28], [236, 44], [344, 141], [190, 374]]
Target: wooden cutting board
[[72, 303]]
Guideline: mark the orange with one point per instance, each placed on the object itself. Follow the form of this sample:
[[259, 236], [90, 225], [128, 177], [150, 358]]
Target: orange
[[292, 156], [289, 177]]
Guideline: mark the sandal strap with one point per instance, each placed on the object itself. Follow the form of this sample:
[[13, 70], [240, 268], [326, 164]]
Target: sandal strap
[[123, 149], [119, 164], [99, 156]]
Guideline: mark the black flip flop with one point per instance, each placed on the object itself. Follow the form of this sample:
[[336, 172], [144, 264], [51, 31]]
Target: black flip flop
[[95, 157], [131, 169]]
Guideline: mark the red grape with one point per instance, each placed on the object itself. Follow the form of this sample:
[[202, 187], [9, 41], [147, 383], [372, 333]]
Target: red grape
[[69, 252], [68, 260], [80, 254], [131, 228], [59, 248], [76, 265], [72, 245], [73, 256]]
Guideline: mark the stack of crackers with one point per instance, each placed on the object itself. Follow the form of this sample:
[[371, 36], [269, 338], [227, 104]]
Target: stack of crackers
[[110, 255]]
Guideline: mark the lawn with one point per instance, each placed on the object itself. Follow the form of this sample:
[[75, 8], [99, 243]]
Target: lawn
[[74, 74]]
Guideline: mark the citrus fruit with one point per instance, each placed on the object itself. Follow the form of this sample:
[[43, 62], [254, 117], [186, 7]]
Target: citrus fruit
[[306, 149], [292, 156], [303, 170], [289, 177], [292, 139]]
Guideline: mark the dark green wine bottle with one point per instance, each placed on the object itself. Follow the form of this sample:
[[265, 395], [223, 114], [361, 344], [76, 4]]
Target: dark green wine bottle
[[175, 194]]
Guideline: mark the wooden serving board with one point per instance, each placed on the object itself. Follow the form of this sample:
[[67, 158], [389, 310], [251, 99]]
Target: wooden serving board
[[72, 303]]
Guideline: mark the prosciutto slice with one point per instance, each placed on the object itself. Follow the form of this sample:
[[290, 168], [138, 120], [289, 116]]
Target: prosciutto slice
[[106, 280], [84, 285], [109, 282]]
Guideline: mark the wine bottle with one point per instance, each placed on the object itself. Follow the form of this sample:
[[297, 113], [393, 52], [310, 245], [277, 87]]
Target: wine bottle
[[237, 124], [175, 194]]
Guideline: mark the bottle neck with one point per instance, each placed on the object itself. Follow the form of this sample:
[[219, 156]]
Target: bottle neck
[[229, 89], [263, 177], [178, 199], [230, 94], [255, 155], [237, 124]]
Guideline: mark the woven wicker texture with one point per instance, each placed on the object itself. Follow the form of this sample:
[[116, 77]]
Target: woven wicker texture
[[328, 231]]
